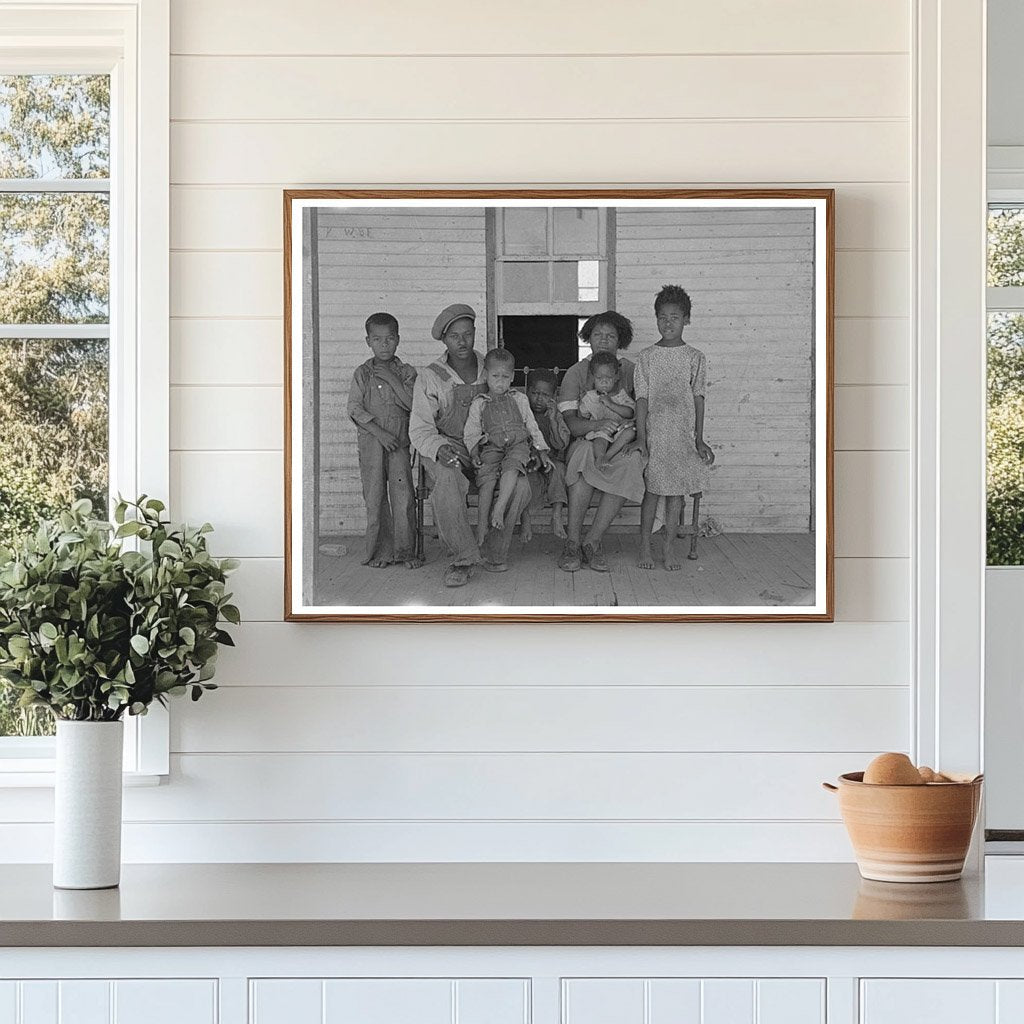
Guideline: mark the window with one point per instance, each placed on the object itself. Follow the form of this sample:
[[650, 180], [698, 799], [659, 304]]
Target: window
[[551, 262], [54, 309], [84, 124], [1005, 476]]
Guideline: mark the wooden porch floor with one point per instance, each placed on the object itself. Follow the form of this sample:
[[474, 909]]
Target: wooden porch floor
[[740, 569]]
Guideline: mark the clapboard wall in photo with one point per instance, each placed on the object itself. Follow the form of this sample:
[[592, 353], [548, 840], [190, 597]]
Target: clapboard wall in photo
[[749, 272], [603, 742], [410, 263]]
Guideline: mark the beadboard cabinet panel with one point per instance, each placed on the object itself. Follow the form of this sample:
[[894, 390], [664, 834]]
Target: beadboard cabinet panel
[[930, 1001], [389, 1001], [693, 1001], [102, 1001]]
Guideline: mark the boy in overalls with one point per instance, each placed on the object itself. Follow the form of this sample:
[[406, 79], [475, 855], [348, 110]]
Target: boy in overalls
[[547, 488], [441, 399], [499, 429], [379, 401]]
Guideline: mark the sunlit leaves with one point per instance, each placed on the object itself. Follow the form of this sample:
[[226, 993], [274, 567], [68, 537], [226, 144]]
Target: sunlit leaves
[[1005, 247], [54, 126], [91, 632], [53, 445], [1005, 478]]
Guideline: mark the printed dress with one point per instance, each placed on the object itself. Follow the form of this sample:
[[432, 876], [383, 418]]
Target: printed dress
[[670, 379]]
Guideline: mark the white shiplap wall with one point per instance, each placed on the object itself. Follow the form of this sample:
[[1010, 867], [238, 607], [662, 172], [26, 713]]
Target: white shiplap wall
[[660, 741]]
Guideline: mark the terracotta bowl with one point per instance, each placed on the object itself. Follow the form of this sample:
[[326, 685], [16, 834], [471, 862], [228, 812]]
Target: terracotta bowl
[[909, 833]]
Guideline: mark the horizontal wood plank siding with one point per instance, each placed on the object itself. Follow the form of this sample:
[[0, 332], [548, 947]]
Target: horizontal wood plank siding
[[410, 263], [434, 742], [749, 275]]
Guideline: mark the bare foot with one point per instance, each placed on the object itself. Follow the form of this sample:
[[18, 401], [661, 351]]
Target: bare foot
[[557, 526], [412, 563], [481, 533], [646, 560], [526, 530], [671, 563], [378, 563], [498, 519]]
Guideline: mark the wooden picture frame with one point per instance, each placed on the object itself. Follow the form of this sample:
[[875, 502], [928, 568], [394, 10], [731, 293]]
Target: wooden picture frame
[[759, 265]]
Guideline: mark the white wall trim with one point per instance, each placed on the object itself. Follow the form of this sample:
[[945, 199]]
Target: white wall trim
[[1005, 173], [42, 36], [949, 180]]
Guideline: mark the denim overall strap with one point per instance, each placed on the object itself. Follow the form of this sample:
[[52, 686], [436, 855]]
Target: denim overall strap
[[451, 421]]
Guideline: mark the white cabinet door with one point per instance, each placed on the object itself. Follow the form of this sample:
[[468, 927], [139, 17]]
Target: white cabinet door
[[389, 1001], [942, 1001], [102, 1001], [693, 1001], [164, 1002]]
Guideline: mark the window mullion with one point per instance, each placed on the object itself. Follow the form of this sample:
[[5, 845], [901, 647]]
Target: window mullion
[[64, 332], [54, 185], [1005, 299]]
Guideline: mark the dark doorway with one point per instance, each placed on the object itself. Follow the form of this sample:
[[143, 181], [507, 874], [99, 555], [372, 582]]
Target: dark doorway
[[550, 341]]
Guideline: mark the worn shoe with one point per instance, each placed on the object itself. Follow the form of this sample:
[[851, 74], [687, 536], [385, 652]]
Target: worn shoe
[[569, 559], [456, 576], [593, 555], [496, 566]]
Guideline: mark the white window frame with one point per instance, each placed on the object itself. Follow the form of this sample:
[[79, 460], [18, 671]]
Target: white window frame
[[130, 41], [1003, 716], [949, 401]]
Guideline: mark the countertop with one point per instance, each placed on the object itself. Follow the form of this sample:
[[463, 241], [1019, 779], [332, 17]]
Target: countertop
[[513, 904]]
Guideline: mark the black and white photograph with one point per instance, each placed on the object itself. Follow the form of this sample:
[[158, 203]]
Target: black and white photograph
[[558, 405]]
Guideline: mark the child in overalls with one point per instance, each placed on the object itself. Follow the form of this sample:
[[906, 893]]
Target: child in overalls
[[547, 488], [499, 429], [379, 401], [441, 399]]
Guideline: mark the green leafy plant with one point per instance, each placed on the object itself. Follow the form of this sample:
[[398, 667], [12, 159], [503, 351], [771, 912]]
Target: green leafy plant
[[91, 630]]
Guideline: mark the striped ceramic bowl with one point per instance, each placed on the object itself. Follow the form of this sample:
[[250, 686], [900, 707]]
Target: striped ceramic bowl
[[909, 833]]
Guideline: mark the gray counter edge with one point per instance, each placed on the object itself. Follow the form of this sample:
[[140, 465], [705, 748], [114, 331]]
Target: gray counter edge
[[55, 934]]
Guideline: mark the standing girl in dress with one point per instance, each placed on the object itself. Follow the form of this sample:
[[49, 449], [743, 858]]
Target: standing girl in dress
[[670, 382]]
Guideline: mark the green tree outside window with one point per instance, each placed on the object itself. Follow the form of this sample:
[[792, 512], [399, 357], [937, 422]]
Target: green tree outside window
[[55, 284], [1005, 477]]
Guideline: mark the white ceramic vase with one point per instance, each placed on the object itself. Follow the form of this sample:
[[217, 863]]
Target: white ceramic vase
[[87, 805]]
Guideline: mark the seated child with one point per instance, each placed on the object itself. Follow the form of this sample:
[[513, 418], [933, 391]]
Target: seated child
[[499, 429], [608, 400], [379, 402], [547, 489]]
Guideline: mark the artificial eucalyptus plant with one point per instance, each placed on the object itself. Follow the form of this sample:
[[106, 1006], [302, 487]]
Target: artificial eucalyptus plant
[[91, 630]]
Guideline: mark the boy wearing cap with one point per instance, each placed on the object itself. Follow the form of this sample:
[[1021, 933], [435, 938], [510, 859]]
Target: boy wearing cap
[[379, 401], [442, 395]]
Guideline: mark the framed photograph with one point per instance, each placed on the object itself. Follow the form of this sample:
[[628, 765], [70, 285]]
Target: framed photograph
[[559, 405]]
